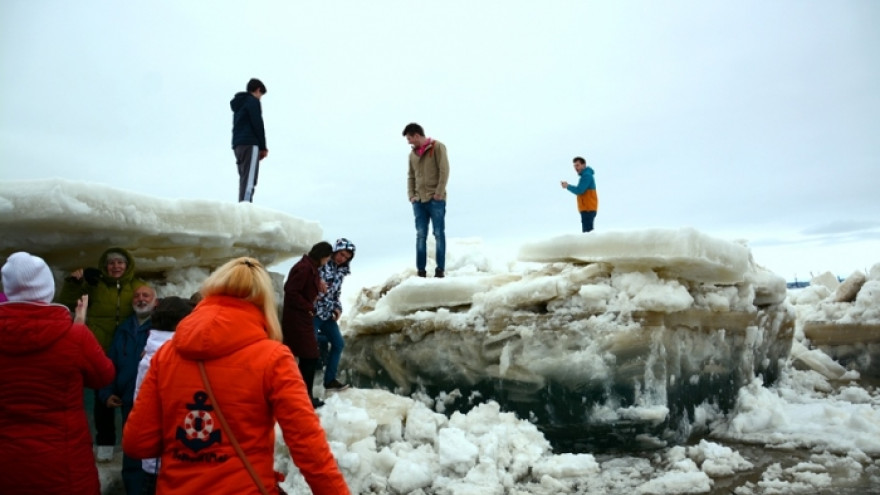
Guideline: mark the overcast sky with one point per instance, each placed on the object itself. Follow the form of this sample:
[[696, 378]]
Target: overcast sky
[[750, 119]]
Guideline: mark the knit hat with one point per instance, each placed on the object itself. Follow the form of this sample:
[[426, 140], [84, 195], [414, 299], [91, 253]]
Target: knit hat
[[27, 278], [116, 256]]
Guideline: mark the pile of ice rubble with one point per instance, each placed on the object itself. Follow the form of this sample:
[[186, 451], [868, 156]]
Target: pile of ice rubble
[[839, 324], [386, 443], [604, 340]]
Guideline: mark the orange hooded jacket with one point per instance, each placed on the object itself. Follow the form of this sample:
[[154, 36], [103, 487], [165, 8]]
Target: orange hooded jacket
[[256, 382]]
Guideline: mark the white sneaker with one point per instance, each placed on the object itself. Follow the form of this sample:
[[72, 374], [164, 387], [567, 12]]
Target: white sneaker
[[105, 453]]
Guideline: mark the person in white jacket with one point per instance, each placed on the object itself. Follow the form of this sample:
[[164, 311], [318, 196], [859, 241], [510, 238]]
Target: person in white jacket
[[170, 311]]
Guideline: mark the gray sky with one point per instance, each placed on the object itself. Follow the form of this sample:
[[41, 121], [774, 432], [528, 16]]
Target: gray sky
[[754, 120]]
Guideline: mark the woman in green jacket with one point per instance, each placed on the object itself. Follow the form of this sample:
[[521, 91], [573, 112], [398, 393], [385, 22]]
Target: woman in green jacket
[[110, 289]]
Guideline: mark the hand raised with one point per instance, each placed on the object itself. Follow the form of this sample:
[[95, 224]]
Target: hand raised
[[79, 315]]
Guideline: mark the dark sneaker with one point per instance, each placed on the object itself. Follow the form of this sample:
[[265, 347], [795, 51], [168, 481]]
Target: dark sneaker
[[438, 273], [316, 403], [335, 386], [423, 273]]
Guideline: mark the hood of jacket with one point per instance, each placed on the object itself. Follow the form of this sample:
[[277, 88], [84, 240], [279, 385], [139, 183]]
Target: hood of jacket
[[127, 275], [28, 327], [219, 326], [239, 100], [343, 243], [155, 340]]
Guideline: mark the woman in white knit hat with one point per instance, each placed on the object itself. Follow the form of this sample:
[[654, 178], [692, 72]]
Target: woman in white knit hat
[[45, 360]]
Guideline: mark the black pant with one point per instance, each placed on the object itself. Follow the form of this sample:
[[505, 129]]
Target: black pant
[[247, 157], [307, 368], [132, 469], [149, 485], [587, 218], [105, 422]]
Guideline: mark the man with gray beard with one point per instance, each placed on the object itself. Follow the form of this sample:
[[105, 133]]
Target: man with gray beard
[[125, 352]]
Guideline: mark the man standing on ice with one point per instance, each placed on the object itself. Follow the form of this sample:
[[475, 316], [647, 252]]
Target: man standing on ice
[[248, 137], [426, 190], [585, 190]]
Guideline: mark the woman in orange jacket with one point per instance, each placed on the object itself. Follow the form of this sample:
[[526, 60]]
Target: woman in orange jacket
[[235, 332]]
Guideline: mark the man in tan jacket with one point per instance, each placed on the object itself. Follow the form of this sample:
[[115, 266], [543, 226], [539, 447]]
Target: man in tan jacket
[[426, 190]]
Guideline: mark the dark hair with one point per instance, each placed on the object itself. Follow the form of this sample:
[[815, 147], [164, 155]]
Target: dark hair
[[196, 297], [320, 250], [169, 312], [579, 159], [255, 84], [413, 128]]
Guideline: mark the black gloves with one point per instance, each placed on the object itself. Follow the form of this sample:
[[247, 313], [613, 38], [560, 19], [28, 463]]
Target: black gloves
[[92, 276]]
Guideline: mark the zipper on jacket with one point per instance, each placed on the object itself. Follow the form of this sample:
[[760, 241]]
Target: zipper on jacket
[[118, 300]]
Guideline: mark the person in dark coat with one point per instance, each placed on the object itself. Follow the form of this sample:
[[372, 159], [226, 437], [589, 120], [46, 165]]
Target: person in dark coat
[[300, 293], [248, 137], [45, 361], [125, 352]]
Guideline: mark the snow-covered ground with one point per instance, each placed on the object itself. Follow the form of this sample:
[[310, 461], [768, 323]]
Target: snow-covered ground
[[816, 429]]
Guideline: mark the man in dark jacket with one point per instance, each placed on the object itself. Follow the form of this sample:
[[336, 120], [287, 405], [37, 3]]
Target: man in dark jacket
[[125, 352], [248, 137]]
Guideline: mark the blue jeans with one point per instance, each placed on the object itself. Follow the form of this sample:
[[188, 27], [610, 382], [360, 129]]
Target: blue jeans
[[587, 218], [327, 332], [435, 212]]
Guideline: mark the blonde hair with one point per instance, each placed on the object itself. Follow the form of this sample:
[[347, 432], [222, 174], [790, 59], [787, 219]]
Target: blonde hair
[[245, 278]]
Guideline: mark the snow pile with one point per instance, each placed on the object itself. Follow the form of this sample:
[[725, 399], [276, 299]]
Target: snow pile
[[69, 224], [654, 270], [387, 443], [856, 300], [686, 254], [801, 408], [840, 324], [390, 444]]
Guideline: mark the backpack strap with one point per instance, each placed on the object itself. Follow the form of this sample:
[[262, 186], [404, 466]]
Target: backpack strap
[[228, 431]]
